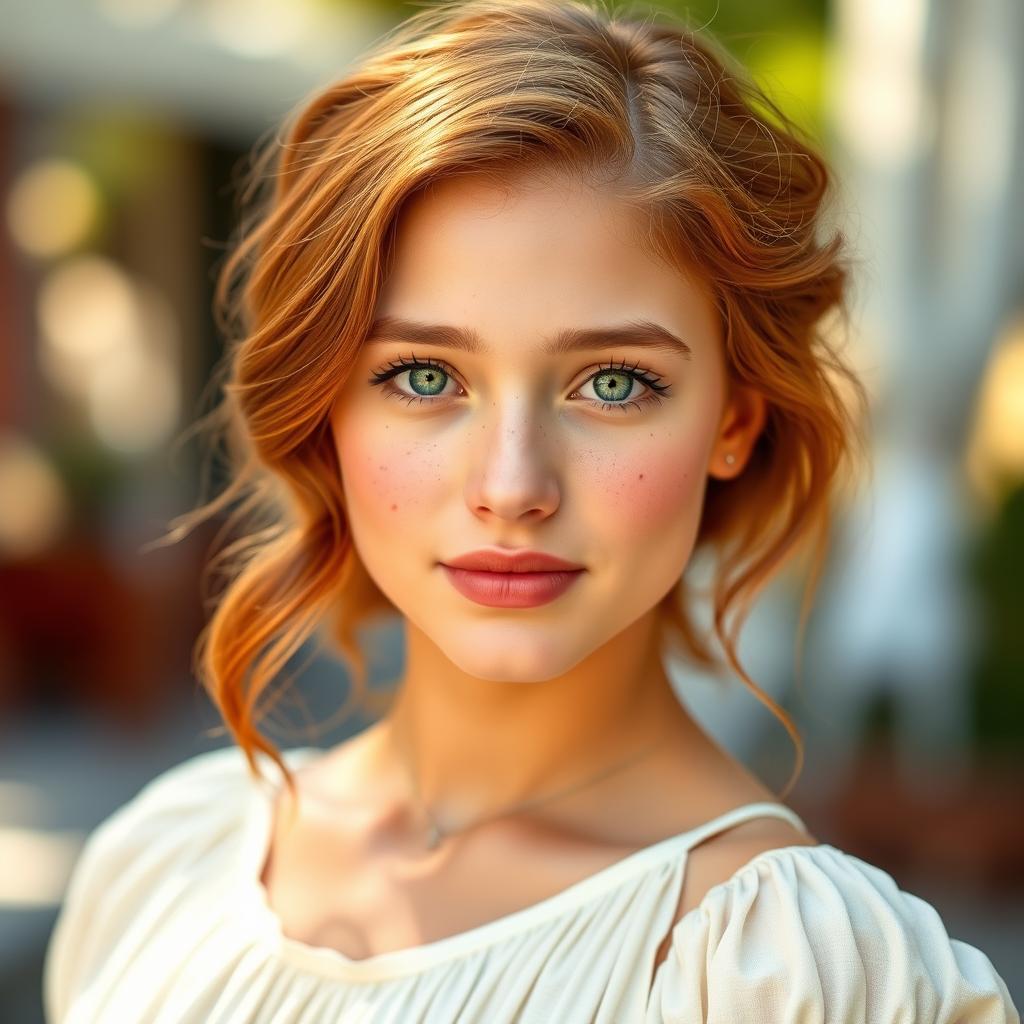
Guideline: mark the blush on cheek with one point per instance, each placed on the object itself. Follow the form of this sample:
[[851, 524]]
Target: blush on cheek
[[672, 485], [659, 488], [386, 480]]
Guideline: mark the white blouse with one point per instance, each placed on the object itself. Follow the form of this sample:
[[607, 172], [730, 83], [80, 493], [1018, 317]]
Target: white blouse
[[165, 921]]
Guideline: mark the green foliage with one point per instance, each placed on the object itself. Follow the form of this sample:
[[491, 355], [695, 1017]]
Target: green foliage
[[997, 566]]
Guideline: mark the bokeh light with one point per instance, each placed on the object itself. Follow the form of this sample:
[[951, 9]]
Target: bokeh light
[[33, 503], [111, 341], [259, 28], [52, 207], [996, 450]]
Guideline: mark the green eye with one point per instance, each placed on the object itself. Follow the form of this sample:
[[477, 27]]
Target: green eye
[[613, 385], [428, 377], [425, 375]]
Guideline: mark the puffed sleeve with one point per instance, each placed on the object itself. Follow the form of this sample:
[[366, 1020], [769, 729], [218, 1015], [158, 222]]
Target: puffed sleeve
[[131, 868], [814, 935]]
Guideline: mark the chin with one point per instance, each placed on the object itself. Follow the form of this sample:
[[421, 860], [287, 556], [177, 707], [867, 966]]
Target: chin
[[507, 652]]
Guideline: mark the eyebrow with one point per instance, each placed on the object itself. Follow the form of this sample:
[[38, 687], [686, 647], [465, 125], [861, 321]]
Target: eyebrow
[[570, 339]]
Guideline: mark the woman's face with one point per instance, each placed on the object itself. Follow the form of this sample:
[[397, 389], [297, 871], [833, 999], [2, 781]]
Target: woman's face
[[598, 455]]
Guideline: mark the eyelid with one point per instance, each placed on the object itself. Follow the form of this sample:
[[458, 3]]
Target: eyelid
[[410, 363], [648, 378], [413, 361]]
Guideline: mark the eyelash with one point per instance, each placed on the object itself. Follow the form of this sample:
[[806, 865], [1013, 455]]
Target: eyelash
[[646, 377]]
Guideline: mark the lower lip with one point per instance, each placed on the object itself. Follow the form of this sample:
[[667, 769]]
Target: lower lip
[[511, 589]]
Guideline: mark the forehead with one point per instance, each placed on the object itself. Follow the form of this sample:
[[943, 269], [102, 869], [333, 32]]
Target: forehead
[[537, 221], [520, 256]]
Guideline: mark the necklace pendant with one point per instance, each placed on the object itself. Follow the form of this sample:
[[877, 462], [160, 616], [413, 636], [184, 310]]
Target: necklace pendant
[[433, 837]]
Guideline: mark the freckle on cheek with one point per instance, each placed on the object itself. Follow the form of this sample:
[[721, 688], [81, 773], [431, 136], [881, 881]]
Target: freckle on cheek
[[662, 491], [397, 481]]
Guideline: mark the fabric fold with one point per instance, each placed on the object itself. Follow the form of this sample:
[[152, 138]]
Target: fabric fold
[[164, 922], [815, 935]]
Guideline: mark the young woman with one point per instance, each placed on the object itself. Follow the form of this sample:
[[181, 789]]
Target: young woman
[[530, 317]]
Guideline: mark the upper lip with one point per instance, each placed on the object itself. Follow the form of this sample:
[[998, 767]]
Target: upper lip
[[504, 560]]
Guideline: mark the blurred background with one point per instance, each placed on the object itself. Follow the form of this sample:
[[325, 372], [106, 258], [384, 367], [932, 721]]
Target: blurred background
[[123, 127]]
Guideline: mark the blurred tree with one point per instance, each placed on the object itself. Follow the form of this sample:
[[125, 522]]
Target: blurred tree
[[998, 572]]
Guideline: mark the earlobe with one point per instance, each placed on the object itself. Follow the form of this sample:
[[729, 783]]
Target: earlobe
[[741, 425]]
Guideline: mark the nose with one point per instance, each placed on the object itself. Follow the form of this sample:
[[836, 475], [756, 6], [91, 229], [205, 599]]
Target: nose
[[513, 473]]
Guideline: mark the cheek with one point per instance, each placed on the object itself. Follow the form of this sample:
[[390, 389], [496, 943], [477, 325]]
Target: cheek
[[385, 476], [659, 486]]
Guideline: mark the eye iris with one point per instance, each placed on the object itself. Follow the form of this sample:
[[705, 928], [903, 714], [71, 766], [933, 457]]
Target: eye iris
[[428, 377], [619, 386]]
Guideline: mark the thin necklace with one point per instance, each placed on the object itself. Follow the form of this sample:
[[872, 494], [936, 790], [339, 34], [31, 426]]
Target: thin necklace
[[436, 832]]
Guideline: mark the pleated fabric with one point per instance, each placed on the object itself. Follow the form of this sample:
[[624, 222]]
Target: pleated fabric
[[165, 921]]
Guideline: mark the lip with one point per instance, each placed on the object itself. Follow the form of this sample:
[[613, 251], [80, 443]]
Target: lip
[[511, 589], [504, 578], [503, 560]]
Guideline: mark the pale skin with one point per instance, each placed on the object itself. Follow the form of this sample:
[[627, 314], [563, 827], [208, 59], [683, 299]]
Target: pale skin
[[509, 705]]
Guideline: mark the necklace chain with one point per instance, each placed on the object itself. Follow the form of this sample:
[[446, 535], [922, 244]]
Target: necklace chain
[[436, 832]]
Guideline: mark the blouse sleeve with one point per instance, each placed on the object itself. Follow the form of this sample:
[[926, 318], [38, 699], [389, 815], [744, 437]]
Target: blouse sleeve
[[814, 935], [123, 878]]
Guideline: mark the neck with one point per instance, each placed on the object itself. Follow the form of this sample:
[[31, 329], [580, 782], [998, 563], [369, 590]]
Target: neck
[[476, 746]]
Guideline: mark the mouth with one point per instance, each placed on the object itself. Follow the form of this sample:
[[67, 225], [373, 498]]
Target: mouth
[[511, 589]]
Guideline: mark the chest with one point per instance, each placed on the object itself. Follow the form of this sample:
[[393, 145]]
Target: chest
[[365, 897]]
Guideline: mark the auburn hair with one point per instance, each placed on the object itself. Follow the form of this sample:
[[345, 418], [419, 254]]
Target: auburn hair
[[728, 186]]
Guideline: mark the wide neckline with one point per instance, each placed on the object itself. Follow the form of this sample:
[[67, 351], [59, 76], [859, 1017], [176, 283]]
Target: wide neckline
[[391, 963]]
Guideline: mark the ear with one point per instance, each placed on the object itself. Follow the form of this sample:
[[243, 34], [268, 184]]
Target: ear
[[738, 430]]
